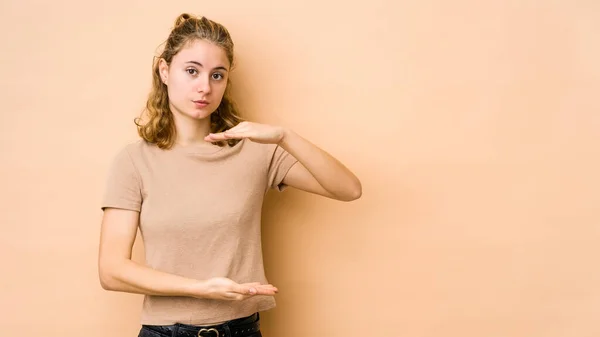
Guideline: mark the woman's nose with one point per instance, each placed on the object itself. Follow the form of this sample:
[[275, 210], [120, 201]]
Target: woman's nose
[[203, 86]]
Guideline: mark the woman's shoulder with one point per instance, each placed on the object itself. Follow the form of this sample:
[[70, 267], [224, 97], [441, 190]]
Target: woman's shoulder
[[140, 145], [135, 149]]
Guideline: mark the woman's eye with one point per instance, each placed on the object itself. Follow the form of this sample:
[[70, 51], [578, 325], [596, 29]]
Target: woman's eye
[[191, 71], [217, 76]]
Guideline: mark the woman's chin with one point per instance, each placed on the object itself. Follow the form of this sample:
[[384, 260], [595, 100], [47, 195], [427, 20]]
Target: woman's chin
[[198, 114]]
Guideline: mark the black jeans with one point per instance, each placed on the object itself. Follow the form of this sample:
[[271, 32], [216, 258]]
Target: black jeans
[[241, 327]]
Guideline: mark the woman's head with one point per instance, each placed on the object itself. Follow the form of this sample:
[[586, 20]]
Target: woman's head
[[190, 78]]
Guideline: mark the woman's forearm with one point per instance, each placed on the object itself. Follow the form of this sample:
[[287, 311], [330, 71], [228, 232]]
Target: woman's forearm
[[330, 173], [129, 276]]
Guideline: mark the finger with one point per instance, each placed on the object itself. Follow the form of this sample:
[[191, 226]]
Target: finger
[[266, 286], [255, 288], [210, 138], [260, 291], [245, 289], [223, 136], [263, 288], [239, 134], [266, 290], [216, 137]]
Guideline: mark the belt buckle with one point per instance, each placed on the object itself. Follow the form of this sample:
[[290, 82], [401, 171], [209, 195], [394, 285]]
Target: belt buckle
[[208, 330]]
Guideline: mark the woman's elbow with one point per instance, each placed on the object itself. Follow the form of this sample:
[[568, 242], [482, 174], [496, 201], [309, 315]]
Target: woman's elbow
[[353, 193], [105, 281], [357, 193], [106, 277]]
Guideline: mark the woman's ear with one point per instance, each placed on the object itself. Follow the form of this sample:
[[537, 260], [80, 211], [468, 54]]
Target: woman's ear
[[163, 70]]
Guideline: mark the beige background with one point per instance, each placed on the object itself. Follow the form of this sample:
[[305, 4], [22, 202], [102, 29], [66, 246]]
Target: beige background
[[473, 125]]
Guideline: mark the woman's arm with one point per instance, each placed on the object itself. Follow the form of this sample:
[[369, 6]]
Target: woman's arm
[[118, 272], [317, 171]]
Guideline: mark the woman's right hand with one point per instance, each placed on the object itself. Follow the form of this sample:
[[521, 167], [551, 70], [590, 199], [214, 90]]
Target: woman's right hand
[[222, 288]]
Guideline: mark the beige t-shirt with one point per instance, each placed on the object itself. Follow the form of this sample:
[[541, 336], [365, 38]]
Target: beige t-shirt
[[200, 217]]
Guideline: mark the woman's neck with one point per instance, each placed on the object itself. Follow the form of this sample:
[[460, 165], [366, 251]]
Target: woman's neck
[[191, 131]]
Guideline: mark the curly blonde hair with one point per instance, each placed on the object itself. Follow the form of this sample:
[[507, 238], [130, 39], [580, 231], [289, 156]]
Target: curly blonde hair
[[159, 127]]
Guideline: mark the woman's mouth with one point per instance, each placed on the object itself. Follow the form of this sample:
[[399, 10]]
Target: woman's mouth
[[200, 103]]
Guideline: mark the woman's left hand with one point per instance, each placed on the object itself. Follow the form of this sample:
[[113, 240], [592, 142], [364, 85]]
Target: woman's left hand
[[259, 133]]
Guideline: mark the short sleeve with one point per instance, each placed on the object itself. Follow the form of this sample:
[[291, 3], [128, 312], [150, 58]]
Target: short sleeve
[[281, 162], [123, 184]]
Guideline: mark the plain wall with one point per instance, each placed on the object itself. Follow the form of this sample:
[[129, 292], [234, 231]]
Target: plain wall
[[473, 125]]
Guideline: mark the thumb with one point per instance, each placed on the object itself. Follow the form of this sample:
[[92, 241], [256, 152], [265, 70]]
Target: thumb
[[252, 290]]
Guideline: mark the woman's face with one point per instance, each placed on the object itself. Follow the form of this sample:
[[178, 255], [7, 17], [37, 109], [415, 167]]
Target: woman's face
[[196, 79]]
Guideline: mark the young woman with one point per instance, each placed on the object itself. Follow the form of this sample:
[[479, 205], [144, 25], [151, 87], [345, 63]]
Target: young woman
[[194, 184]]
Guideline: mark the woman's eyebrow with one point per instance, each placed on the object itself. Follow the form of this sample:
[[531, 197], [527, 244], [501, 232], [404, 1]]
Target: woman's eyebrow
[[200, 65]]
